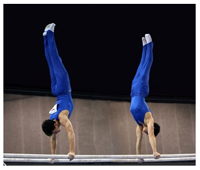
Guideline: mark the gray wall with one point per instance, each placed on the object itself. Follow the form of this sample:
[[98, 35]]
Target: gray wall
[[101, 127]]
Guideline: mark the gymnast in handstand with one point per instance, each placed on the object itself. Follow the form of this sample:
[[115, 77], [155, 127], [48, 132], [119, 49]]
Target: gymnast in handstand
[[139, 90], [60, 87]]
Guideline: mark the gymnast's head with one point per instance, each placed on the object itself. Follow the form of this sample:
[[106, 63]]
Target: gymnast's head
[[50, 127], [156, 129]]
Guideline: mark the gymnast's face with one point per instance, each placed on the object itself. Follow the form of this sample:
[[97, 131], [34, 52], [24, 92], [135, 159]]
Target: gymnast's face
[[57, 128]]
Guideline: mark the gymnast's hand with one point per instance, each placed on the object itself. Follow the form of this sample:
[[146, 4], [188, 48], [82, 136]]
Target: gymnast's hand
[[51, 161], [71, 155], [140, 160], [156, 155]]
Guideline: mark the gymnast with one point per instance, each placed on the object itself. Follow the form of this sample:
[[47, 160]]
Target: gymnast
[[60, 87], [139, 90]]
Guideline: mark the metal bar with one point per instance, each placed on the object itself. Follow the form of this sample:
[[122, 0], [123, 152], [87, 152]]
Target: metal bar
[[43, 156], [97, 160]]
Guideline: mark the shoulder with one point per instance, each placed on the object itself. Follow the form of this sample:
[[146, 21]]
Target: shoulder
[[148, 115], [148, 118], [63, 114], [63, 118]]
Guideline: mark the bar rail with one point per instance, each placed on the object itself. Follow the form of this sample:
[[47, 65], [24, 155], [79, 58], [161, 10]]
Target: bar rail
[[46, 158], [98, 160]]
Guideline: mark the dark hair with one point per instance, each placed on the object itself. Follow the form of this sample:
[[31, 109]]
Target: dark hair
[[48, 127], [156, 129]]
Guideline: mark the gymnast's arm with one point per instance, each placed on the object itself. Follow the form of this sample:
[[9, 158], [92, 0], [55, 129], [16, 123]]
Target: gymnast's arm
[[152, 139], [139, 139], [53, 143], [63, 118]]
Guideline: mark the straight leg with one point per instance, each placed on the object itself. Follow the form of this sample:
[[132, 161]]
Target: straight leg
[[140, 65], [60, 83], [145, 73], [48, 58], [140, 83]]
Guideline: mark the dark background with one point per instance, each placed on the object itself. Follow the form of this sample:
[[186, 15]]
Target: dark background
[[100, 45]]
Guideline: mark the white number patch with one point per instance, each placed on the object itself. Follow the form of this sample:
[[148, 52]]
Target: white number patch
[[54, 109]]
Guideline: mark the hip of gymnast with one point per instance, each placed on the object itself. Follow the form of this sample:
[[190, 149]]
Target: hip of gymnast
[[139, 90], [60, 87]]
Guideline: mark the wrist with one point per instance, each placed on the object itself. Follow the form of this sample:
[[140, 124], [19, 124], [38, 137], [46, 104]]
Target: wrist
[[72, 152]]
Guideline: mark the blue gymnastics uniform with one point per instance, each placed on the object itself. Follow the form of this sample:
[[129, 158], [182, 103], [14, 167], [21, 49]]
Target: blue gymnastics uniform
[[140, 85], [60, 83]]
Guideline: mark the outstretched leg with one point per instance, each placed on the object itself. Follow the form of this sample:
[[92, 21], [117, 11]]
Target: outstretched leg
[[60, 83], [47, 55], [140, 84], [144, 76], [141, 62]]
